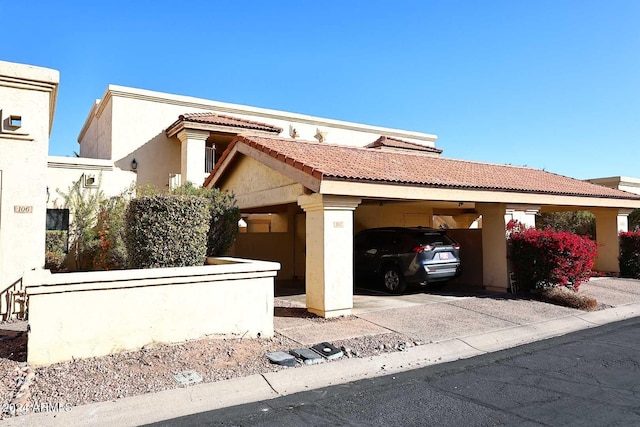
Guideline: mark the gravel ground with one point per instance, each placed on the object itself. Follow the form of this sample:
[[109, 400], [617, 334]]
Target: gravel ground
[[151, 368]]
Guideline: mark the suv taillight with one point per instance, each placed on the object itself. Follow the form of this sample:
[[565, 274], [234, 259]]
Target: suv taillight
[[419, 249], [456, 246]]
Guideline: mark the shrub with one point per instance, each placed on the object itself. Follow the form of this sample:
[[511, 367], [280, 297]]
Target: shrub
[[166, 231], [223, 227], [630, 254], [566, 298], [548, 258], [55, 249], [111, 253], [582, 223]]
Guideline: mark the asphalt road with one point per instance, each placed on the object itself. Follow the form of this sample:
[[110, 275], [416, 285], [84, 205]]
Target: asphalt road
[[588, 378]]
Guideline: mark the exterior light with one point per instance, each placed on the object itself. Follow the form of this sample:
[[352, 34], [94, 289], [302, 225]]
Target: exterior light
[[134, 164]]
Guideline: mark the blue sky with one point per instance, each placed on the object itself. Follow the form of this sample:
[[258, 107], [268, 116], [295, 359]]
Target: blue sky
[[551, 84]]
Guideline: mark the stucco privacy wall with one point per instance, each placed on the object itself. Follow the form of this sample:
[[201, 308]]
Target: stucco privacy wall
[[80, 315], [27, 93], [130, 123]]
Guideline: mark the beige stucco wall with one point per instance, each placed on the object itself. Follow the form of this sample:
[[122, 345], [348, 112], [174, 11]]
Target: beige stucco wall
[[29, 92], [62, 172], [130, 123], [405, 214], [80, 315]]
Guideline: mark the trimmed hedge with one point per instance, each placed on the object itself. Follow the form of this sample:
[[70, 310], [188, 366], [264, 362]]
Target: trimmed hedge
[[223, 228], [630, 254], [548, 258], [167, 231]]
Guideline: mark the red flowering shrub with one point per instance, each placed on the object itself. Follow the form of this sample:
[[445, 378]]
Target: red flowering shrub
[[548, 258], [630, 254]]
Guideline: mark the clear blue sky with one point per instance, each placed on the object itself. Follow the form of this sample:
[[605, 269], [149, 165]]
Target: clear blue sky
[[551, 84]]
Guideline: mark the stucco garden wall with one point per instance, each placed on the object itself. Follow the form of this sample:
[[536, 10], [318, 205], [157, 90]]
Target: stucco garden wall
[[89, 314]]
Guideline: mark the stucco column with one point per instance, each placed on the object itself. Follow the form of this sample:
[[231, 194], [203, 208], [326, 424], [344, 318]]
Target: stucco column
[[192, 155], [609, 223], [494, 247], [329, 253]]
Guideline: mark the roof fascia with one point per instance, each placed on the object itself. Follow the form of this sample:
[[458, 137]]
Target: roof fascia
[[205, 104], [231, 130], [404, 192]]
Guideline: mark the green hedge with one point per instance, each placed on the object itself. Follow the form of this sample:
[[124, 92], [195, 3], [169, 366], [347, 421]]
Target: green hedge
[[167, 231], [630, 254], [223, 228]]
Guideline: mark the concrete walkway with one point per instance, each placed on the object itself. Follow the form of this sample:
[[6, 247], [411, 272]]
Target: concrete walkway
[[450, 326]]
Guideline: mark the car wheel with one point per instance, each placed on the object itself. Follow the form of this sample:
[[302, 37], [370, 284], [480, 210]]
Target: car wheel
[[393, 280]]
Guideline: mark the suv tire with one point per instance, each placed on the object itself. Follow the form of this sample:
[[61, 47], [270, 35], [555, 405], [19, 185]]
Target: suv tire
[[393, 280]]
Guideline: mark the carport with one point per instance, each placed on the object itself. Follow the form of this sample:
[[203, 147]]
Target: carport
[[310, 198]]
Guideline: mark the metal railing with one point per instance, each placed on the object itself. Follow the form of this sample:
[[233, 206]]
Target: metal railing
[[13, 301], [209, 159]]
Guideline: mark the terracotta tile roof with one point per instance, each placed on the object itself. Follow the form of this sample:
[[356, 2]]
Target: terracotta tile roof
[[335, 162], [222, 120], [388, 141]]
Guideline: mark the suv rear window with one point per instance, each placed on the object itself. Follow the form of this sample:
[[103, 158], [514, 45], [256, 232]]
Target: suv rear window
[[435, 239]]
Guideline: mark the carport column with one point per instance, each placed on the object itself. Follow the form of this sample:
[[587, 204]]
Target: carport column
[[609, 223], [329, 253], [494, 247], [192, 154]]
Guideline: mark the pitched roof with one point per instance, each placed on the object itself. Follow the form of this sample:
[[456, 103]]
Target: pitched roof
[[212, 118], [388, 141], [342, 163]]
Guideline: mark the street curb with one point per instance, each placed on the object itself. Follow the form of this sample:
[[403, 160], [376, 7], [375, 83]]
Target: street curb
[[169, 404]]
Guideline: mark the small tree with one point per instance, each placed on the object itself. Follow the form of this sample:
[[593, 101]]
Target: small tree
[[83, 204], [111, 253], [582, 223], [634, 220]]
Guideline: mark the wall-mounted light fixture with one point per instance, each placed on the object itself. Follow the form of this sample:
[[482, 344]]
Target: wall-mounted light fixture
[[134, 164]]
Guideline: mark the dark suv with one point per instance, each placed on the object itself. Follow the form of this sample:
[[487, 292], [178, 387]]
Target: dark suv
[[400, 255]]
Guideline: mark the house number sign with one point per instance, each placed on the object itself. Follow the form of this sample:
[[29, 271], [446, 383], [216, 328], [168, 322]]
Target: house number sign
[[23, 209]]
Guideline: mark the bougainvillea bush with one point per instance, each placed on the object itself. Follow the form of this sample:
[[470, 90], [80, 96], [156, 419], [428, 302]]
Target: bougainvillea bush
[[547, 258], [630, 254]]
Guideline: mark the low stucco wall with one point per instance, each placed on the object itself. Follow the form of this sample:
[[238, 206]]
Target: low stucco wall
[[89, 314]]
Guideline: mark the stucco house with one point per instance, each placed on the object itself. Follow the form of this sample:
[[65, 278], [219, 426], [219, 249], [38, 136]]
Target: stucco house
[[306, 184]]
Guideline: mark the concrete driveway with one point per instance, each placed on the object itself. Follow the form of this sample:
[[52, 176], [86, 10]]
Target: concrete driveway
[[438, 316]]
